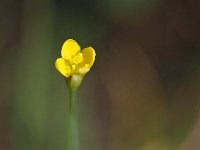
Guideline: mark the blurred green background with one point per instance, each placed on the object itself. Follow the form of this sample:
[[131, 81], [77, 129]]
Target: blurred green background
[[143, 92]]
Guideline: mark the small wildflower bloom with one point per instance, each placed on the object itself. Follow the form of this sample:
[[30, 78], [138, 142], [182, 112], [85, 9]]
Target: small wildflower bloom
[[74, 63]]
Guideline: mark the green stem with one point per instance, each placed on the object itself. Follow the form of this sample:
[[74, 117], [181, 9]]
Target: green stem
[[72, 127]]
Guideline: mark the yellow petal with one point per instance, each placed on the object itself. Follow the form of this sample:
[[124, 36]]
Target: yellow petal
[[88, 56], [83, 69], [63, 67], [69, 49]]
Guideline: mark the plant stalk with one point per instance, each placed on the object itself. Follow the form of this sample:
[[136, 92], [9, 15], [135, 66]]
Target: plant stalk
[[72, 126]]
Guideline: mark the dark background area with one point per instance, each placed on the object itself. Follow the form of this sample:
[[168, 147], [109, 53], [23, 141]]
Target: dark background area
[[142, 92]]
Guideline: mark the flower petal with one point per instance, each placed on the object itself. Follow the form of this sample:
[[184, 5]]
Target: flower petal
[[69, 49], [83, 69], [63, 67], [88, 56]]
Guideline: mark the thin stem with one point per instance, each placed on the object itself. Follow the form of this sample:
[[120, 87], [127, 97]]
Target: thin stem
[[72, 127]]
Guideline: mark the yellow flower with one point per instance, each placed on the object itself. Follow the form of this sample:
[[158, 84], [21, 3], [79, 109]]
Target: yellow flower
[[74, 62]]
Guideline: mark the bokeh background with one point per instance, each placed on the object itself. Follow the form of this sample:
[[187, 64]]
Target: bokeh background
[[143, 92]]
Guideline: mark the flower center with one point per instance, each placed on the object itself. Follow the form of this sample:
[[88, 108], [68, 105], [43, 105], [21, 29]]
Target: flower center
[[75, 61]]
